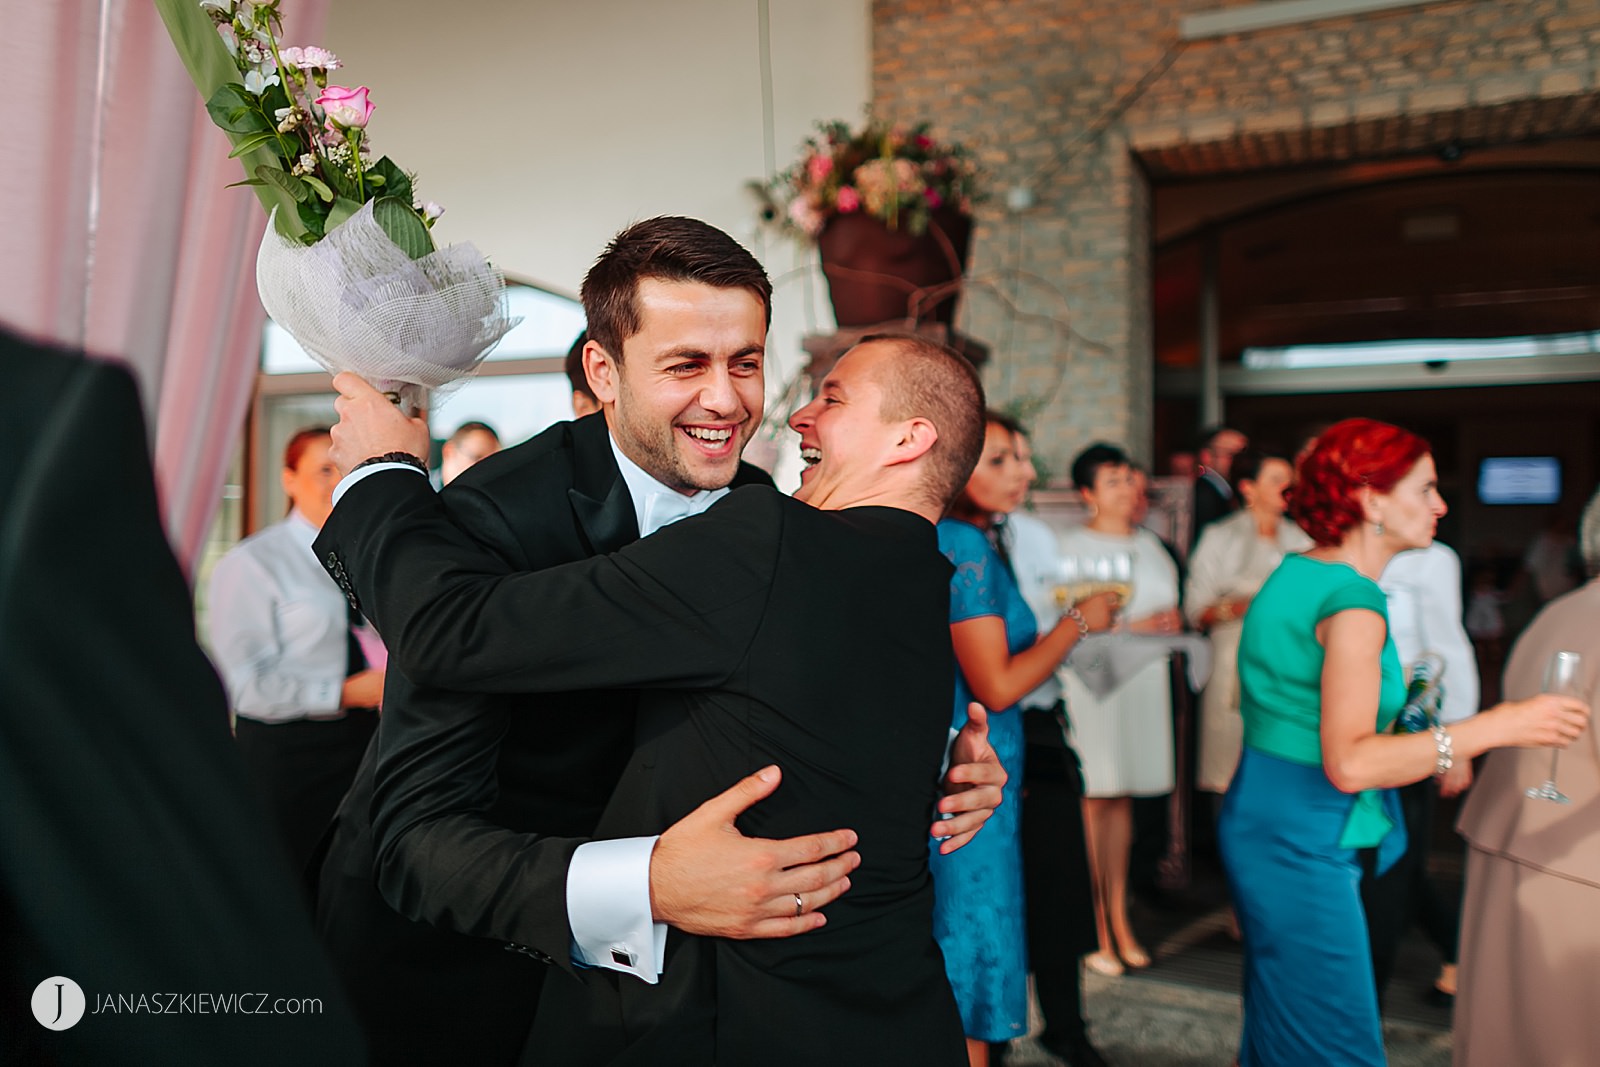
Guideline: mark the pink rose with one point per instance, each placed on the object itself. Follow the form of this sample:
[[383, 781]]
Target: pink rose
[[818, 167], [933, 198], [848, 200], [349, 109]]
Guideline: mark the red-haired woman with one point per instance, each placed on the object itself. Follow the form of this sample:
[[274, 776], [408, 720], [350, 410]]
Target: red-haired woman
[[1320, 685]]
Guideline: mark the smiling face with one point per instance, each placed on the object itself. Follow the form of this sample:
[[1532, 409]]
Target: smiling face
[[688, 392], [1410, 512], [843, 433]]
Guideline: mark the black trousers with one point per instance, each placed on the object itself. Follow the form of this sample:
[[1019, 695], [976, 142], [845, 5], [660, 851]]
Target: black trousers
[[1055, 863], [301, 769]]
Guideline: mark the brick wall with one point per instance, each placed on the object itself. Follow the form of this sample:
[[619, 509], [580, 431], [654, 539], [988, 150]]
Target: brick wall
[[1062, 289]]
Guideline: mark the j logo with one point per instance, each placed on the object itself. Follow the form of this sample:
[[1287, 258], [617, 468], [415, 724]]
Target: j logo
[[58, 1003]]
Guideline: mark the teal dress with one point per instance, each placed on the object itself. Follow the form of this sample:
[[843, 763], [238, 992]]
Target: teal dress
[[1289, 838], [978, 907]]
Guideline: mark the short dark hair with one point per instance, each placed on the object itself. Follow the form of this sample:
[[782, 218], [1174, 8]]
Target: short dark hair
[[472, 427], [670, 249], [298, 444], [575, 375], [935, 382], [1247, 464], [1091, 459]]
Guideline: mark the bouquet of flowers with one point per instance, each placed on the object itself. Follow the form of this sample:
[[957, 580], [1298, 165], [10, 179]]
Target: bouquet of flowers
[[357, 280], [896, 174]]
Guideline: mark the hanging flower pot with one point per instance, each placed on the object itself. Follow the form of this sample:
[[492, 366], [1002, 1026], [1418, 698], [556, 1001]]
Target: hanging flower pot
[[888, 207], [877, 274]]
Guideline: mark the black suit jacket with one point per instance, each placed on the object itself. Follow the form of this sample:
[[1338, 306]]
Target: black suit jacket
[[133, 857], [1210, 504], [448, 861], [766, 632]]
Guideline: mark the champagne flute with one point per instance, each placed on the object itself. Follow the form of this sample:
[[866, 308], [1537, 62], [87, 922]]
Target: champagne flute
[[1069, 574], [1560, 676]]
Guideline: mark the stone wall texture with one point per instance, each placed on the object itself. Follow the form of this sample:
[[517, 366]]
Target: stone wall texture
[[1087, 104]]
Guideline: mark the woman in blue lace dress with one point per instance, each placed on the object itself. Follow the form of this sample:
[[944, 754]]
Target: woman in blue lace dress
[[978, 903]]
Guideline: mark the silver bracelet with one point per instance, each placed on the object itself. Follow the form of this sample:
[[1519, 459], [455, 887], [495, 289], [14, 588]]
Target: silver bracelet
[[1446, 749], [1076, 616]]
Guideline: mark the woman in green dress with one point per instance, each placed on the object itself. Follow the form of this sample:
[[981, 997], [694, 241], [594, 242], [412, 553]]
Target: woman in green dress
[[1320, 685]]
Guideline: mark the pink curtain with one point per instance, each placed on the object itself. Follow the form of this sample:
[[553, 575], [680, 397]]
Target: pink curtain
[[120, 237]]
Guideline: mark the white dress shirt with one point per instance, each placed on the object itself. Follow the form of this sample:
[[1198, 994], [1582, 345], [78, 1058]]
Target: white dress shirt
[[608, 882], [1036, 563], [278, 626], [1423, 587]]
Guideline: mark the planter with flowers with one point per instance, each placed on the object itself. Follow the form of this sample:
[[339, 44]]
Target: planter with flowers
[[888, 208]]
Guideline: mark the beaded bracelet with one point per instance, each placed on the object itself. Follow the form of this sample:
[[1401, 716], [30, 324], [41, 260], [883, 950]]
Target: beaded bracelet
[[1446, 748], [1076, 616]]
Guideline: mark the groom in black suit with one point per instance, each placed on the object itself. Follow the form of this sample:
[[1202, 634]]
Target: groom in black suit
[[810, 633], [677, 319]]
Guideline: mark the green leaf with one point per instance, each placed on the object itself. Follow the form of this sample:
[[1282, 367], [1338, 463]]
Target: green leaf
[[396, 182], [233, 115], [210, 68], [253, 142], [247, 181], [319, 187], [343, 207], [374, 181], [290, 184], [403, 226], [312, 218], [273, 98], [231, 94], [343, 185]]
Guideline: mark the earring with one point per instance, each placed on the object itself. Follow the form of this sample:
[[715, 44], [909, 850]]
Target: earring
[[1380, 527]]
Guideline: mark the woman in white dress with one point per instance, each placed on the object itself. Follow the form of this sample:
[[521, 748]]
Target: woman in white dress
[[1234, 557], [1124, 736]]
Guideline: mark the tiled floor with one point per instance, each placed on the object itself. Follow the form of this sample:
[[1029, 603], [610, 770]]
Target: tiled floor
[[1184, 1010]]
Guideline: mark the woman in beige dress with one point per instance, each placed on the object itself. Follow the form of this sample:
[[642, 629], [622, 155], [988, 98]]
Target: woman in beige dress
[[1235, 555], [1124, 737], [1530, 931]]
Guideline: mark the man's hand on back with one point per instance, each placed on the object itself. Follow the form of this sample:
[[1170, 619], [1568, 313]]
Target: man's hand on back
[[974, 784], [370, 424], [708, 878]]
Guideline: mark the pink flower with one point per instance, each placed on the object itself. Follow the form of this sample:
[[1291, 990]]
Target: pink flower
[[312, 58], [818, 167], [349, 109], [804, 214], [848, 200], [924, 141], [933, 198]]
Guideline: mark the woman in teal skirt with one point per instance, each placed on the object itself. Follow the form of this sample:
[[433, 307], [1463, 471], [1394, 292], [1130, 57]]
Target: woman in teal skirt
[[1320, 686]]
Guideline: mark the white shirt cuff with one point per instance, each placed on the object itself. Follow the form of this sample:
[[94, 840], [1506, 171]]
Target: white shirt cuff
[[608, 908], [356, 475]]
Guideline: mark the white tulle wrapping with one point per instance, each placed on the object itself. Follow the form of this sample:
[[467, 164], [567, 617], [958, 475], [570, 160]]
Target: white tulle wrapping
[[356, 302]]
